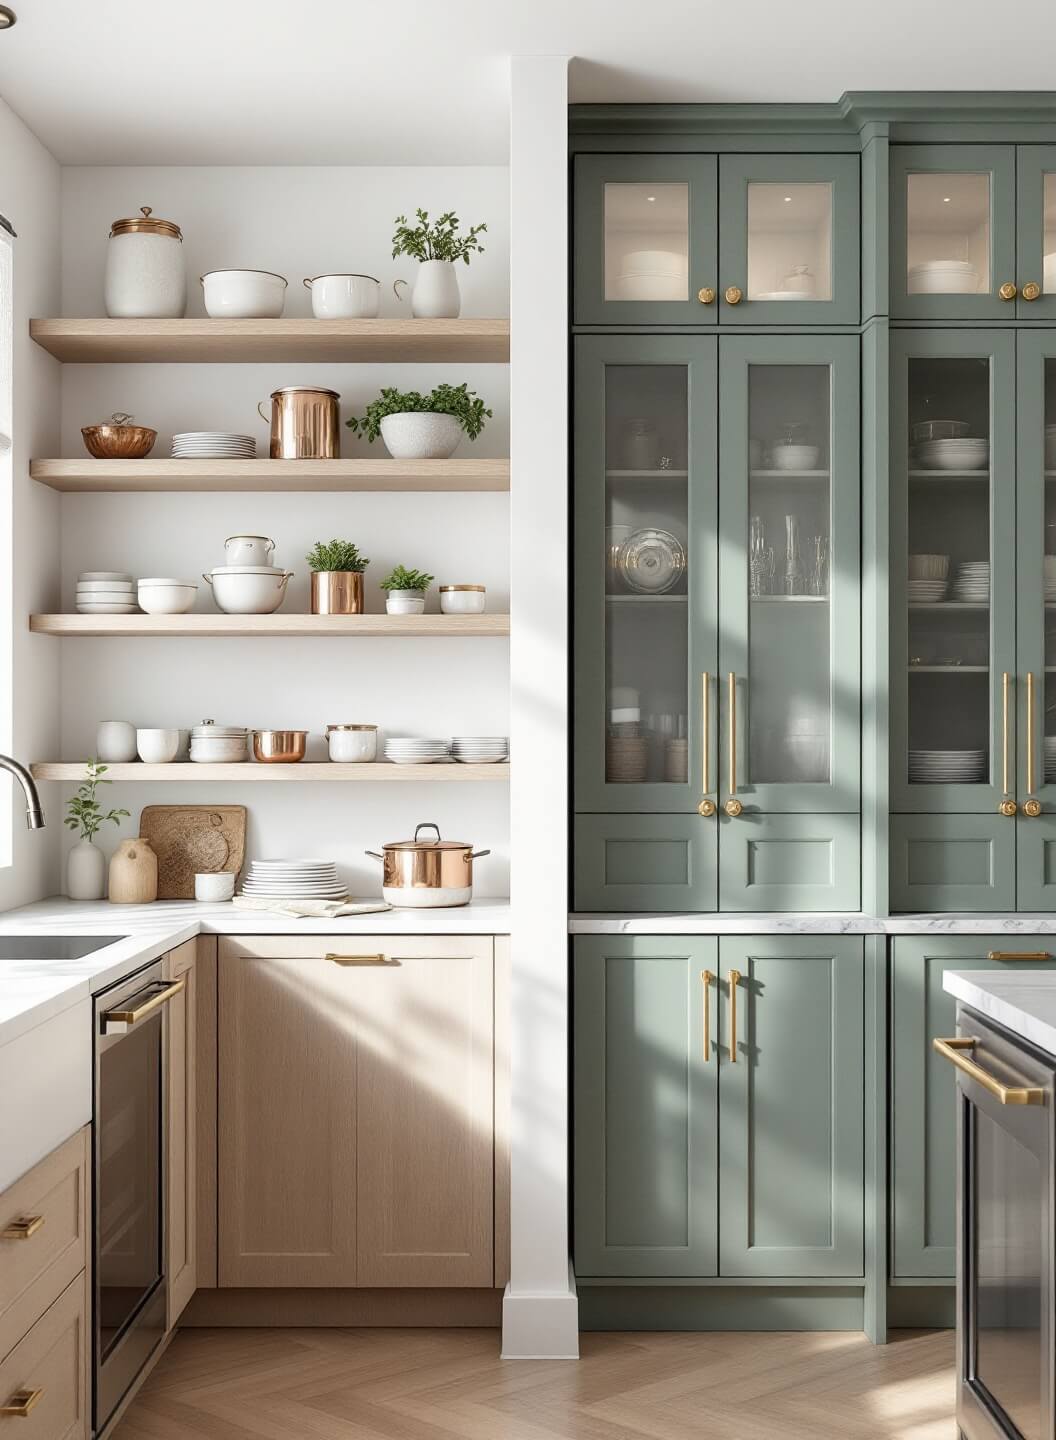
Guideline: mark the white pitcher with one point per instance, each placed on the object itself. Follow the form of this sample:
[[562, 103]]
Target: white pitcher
[[249, 550], [435, 295]]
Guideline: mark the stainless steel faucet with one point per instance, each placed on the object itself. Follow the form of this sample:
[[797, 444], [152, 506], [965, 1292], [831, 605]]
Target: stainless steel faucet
[[34, 809]]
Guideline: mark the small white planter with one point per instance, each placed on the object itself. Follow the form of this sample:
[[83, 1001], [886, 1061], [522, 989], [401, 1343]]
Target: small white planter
[[404, 602], [435, 294], [420, 435], [86, 872]]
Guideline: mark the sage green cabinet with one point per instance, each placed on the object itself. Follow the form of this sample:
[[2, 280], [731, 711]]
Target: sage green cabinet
[[923, 1135], [663, 1069], [646, 862]]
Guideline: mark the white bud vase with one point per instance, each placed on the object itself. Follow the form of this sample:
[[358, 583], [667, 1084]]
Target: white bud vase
[[435, 295], [86, 872]]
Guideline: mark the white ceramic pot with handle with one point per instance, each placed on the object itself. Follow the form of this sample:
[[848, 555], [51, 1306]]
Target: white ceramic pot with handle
[[243, 294], [344, 297], [249, 550], [435, 294], [248, 589]]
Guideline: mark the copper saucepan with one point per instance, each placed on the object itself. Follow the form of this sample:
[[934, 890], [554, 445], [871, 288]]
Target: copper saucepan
[[421, 873]]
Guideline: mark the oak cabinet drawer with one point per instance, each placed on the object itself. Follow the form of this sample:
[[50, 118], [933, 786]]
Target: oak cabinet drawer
[[43, 1237], [44, 1380]]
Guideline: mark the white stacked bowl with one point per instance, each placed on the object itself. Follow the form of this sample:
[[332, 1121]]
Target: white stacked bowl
[[653, 275], [106, 592]]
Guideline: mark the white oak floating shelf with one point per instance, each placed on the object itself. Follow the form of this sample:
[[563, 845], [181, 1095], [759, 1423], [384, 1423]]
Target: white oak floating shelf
[[298, 626], [250, 772], [219, 341], [159, 476]]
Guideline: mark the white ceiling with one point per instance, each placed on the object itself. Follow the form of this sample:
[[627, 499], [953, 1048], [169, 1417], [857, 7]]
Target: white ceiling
[[410, 82]]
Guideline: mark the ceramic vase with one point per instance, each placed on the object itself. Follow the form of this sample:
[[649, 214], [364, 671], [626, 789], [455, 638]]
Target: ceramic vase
[[404, 602], [435, 294], [86, 872], [421, 435], [133, 874]]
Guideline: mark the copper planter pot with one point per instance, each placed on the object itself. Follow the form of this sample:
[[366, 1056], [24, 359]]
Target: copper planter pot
[[337, 592]]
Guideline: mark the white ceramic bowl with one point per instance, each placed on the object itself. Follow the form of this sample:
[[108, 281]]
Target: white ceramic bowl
[[218, 750], [104, 587], [420, 435], [942, 277], [248, 589], [795, 457], [115, 742], [404, 602], [344, 297], [462, 599], [166, 597], [214, 887], [243, 294], [157, 747], [353, 744], [655, 262]]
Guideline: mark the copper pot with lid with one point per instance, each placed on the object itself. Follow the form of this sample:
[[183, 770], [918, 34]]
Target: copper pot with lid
[[304, 422], [419, 874]]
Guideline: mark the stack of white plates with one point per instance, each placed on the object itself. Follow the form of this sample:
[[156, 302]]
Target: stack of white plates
[[965, 453], [294, 880], [943, 277], [1049, 744], [653, 275], [408, 750], [106, 592], [922, 592], [479, 749], [972, 585], [213, 445], [1050, 443], [947, 767]]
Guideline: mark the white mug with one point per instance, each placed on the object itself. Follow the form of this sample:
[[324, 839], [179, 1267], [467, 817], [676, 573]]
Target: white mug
[[215, 887], [249, 549], [115, 742], [344, 297]]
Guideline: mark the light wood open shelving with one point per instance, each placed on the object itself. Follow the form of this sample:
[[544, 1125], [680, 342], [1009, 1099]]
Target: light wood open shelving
[[225, 341], [299, 626], [251, 772], [159, 476]]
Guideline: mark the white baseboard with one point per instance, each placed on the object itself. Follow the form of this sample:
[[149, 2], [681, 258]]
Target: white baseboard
[[540, 1326]]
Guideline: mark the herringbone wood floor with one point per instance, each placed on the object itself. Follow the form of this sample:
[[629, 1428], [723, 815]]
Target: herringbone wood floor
[[440, 1384]]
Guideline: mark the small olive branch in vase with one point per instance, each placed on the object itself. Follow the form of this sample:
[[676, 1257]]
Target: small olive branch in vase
[[83, 812], [439, 241], [400, 578]]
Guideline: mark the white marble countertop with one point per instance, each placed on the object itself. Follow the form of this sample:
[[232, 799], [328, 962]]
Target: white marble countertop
[[32, 990], [819, 923], [1023, 1001]]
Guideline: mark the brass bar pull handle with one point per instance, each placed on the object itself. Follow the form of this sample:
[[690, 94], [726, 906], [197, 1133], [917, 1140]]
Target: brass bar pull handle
[[952, 1049], [733, 806], [21, 1402], [361, 959], [116, 1021], [1018, 955], [23, 1229], [735, 980], [1032, 805], [706, 977], [1007, 806], [707, 805]]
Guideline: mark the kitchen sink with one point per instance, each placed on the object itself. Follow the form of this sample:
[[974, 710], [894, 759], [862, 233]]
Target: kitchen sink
[[52, 947]]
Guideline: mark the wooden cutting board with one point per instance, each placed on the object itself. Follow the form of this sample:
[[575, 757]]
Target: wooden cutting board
[[191, 840]]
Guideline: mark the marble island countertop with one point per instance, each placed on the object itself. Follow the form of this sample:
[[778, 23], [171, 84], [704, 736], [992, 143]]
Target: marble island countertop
[[814, 923], [1023, 1001]]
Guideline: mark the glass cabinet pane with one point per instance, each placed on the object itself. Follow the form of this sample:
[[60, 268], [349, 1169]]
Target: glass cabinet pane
[[947, 234], [1048, 284], [789, 529], [646, 609], [1048, 730], [646, 241], [789, 240]]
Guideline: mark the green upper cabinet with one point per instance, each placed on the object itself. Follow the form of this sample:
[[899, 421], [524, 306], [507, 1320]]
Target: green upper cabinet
[[1036, 231], [646, 240], [789, 240]]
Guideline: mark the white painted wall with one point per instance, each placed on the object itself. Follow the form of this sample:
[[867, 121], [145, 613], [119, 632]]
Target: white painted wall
[[299, 222], [29, 707]]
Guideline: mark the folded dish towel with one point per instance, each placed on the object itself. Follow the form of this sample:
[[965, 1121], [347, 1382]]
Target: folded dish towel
[[311, 909]]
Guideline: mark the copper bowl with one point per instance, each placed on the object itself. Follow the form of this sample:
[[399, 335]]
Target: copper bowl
[[279, 747], [117, 440]]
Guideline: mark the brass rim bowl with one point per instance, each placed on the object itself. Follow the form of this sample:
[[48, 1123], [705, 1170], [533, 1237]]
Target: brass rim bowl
[[118, 442], [279, 747]]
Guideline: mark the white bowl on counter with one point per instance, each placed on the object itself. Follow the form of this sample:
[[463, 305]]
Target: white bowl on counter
[[214, 887], [243, 294], [462, 599], [157, 747], [352, 744], [248, 589], [158, 596]]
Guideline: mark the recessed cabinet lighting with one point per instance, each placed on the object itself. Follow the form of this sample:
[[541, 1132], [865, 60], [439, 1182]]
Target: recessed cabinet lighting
[[945, 199], [650, 198], [788, 199], [7, 17]]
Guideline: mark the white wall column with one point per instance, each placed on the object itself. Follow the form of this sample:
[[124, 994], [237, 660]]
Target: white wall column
[[540, 1312]]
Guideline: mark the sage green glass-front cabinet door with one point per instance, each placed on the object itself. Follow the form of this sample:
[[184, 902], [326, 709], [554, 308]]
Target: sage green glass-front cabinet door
[[953, 232], [1036, 231], [790, 240], [923, 1097], [646, 237], [645, 1073], [791, 1106]]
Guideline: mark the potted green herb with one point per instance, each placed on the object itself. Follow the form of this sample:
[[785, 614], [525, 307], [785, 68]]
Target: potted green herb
[[86, 863], [337, 577], [405, 590], [422, 427], [437, 246]]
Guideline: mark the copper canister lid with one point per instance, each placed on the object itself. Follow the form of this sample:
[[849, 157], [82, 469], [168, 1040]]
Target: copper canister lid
[[146, 223]]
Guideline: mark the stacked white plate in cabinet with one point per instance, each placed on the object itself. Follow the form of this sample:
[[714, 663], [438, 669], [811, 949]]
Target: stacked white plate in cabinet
[[972, 584], [408, 750], [966, 452], [480, 749], [213, 445], [106, 592], [1049, 746], [921, 592], [947, 767], [294, 880], [942, 277]]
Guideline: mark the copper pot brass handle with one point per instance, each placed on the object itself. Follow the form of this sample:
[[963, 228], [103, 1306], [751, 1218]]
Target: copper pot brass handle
[[260, 412], [374, 855], [1006, 1094], [426, 825], [476, 854]]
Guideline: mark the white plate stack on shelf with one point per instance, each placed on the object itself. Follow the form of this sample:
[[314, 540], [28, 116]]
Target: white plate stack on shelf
[[410, 750], [213, 445], [106, 592], [653, 275], [927, 578], [942, 277], [972, 583], [947, 767], [965, 452], [480, 749], [1049, 747], [1049, 563], [294, 880]]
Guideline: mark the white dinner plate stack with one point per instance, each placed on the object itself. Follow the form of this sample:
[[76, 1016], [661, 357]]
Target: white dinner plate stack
[[294, 880], [972, 583], [653, 275], [943, 277], [480, 749], [923, 592], [410, 750], [1050, 446], [1049, 746], [106, 592], [213, 445], [947, 767], [966, 452]]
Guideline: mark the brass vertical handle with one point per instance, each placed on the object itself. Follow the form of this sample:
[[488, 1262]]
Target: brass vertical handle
[[707, 805], [706, 977], [1007, 806], [1032, 805], [733, 806], [735, 980]]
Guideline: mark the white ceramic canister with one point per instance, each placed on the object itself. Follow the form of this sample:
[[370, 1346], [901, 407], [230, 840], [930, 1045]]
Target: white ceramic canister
[[462, 599], [352, 744], [249, 550], [115, 742], [214, 887], [146, 277], [344, 297], [435, 294], [404, 602]]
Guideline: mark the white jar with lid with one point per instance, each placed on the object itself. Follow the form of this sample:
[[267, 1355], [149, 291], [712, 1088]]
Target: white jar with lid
[[145, 273]]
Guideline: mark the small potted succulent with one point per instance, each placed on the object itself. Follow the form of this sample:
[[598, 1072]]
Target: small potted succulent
[[437, 246], [422, 427], [337, 577], [405, 590], [86, 863]]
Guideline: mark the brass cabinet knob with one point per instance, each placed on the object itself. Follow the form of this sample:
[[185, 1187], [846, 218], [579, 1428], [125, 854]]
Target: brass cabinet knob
[[1031, 290], [706, 807], [706, 295], [1032, 807], [733, 807], [1007, 291], [734, 295], [1007, 808]]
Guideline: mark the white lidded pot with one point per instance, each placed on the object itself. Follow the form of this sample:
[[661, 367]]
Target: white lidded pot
[[146, 277], [352, 744], [462, 599], [344, 297]]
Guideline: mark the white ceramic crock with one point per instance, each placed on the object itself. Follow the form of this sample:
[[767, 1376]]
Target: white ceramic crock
[[249, 550], [404, 602], [352, 744], [214, 887], [420, 435], [248, 589], [165, 597], [243, 294], [146, 277], [157, 747], [462, 599], [344, 297], [115, 742], [435, 294]]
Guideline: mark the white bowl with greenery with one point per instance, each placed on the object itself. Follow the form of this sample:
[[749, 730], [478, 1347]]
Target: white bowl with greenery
[[422, 427]]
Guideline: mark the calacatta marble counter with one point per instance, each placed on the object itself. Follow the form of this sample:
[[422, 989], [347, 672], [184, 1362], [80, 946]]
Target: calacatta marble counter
[[846, 923], [1023, 1001]]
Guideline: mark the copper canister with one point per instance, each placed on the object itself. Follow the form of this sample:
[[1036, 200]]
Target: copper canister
[[303, 423]]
